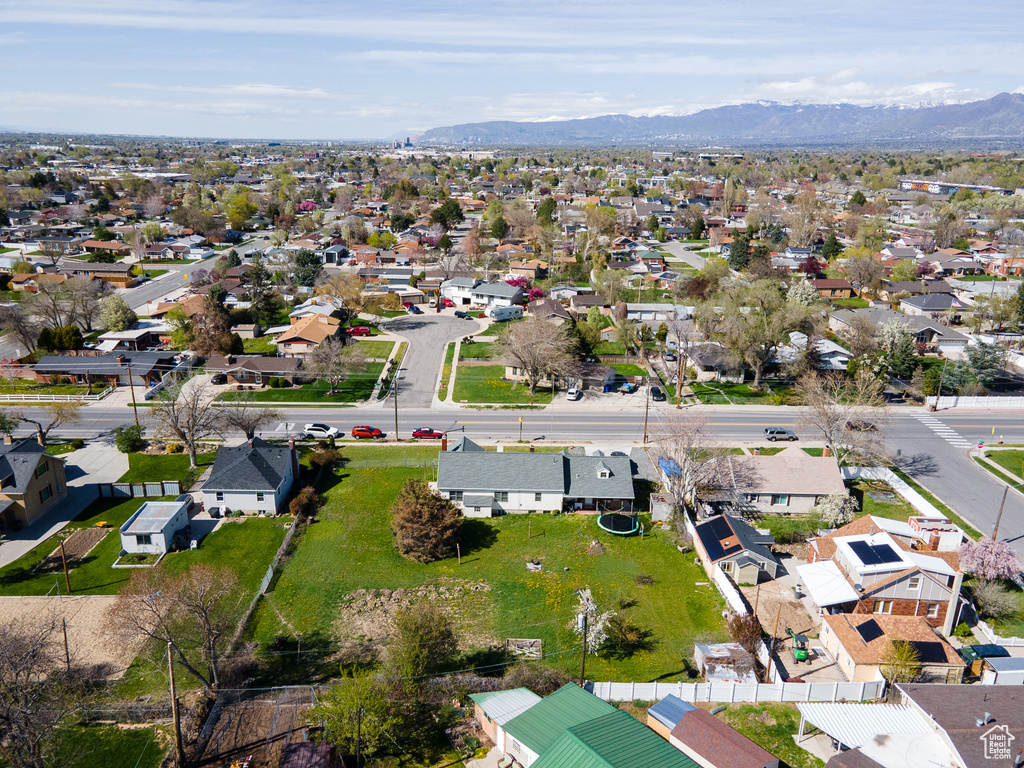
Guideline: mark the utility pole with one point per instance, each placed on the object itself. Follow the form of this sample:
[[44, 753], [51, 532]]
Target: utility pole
[[179, 750], [775, 629], [64, 560], [647, 407], [394, 389], [67, 653], [520, 429], [131, 386], [679, 375], [995, 531], [583, 661]]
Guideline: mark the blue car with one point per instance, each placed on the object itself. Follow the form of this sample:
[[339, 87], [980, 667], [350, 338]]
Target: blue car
[[414, 310]]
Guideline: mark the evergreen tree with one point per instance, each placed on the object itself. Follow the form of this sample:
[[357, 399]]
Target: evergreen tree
[[739, 252], [425, 523], [546, 210], [832, 248], [903, 357]]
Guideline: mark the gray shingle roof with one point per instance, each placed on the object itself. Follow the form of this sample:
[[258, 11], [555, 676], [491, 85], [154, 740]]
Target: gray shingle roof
[[141, 362], [255, 466], [18, 463], [572, 476], [502, 290]]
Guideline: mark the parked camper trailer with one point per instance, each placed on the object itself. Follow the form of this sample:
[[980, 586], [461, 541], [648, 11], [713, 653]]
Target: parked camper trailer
[[505, 313]]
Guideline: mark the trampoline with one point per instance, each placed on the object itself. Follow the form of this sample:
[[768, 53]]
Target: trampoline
[[618, 523]]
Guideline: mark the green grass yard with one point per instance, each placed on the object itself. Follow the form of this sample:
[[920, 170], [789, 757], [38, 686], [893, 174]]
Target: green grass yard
[[359, 386], [372, 348], [102, 746], [31, 387], [484, 384], [1011, 461], [772, 727], [967, 528], [351, 547], [481, 350], [854, 302], [262, 346], [628, 369], [150, 467], [610, 348]]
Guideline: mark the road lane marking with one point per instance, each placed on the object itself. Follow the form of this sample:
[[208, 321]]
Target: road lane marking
[[944, 431]]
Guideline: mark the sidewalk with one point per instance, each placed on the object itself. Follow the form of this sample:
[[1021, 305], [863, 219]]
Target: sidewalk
[[98, 462]]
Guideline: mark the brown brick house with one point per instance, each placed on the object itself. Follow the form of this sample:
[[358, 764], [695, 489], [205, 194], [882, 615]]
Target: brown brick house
[[254, 370], [832, 290]]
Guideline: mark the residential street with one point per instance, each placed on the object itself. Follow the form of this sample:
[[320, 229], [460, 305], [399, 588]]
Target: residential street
[[680, 251]]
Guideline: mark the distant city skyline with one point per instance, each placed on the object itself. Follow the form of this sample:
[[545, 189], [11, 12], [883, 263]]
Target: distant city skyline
[[336, 70]]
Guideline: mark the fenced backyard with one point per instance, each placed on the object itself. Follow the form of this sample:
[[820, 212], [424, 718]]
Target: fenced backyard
[[139, 490], [739, 692]]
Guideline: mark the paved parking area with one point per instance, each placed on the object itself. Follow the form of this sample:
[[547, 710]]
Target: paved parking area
[[427, 335]]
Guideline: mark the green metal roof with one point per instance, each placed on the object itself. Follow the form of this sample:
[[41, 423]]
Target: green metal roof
[[539, 726], [614, 740]]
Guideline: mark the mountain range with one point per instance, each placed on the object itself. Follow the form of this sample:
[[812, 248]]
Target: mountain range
[[997, 120]]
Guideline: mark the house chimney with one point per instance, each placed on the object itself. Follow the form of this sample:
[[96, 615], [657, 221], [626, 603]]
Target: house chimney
[[531, 449], [120, 359], [295, 458], [826, 451], [933, 541], [444, 443], [8, 440]]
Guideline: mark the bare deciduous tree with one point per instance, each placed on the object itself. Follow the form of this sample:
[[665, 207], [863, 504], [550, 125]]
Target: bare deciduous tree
[[20, 324], [832, 401], [245, 415], [334, 362], [694, 458], [37, 692], [861, 335], [83, 300], [54, 415], [539, 349], [179, 609], [183, 413]]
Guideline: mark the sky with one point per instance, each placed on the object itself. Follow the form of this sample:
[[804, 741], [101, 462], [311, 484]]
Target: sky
[[306, 69]]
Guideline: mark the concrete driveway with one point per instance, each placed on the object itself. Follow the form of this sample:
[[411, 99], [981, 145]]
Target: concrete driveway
[[427, 335], [680, 251]]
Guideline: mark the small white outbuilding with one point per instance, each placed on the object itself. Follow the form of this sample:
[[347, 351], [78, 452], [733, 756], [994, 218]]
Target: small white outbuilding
[[152, 528]]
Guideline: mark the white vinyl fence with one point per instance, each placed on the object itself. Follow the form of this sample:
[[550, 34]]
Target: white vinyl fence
[[30, 398], [976, 401], [923, 507], [739, 692], [993, 637]]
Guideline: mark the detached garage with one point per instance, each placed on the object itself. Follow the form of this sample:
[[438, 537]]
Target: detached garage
[[1003, 671]]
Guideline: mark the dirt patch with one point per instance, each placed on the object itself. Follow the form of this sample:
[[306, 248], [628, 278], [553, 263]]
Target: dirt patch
[[76, 547], [799, 551], [368, 614], [86, 619], [258, 723], [595, 548]]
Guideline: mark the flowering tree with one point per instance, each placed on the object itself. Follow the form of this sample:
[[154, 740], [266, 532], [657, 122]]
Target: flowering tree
[[534, 293], [596, 622], [518, 282], [837, 509], [988, 559]]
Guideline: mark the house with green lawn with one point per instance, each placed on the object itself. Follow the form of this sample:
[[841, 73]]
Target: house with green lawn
[[486, 484]]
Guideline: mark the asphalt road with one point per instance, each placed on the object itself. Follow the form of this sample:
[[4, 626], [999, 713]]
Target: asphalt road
[[936, 457], [680, 251], [427, 335]]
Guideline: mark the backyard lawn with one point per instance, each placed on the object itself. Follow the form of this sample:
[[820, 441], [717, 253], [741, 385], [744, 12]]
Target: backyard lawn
[[628, 369], [854, 302], [143, 467], [610, 348], [359, 386], [264, 345], [351, 547], [101, 746], [772, 727], [484, 384]]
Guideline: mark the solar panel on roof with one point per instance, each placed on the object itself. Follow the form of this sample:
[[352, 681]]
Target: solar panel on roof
[[711, 544], [885, 553], [930, 651], [870, 630], [864, 551], [720, 527]]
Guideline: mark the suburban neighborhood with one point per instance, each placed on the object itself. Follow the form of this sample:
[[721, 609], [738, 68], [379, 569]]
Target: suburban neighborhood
[[405, 454]]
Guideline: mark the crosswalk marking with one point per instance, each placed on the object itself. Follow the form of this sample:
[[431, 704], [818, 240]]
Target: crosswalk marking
[[947, 433]]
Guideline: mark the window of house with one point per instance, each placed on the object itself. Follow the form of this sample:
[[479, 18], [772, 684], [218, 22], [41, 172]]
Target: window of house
[[259, 378], [143, 539], [455, 495], [882, 606], [516, 746], [914, 583], [604, 473], [501, 495], [42, 469], [260, 496], [933, 610], [476, 510], [780, 499], [727, 567], [220, 496], [538, 497], [46, 493]]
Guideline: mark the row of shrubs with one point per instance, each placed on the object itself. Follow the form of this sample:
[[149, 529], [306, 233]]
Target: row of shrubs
[[279, 382]]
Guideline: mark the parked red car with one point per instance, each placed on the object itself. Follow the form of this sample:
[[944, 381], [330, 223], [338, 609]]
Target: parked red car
[[427, 434], [448, 302], [366, 431], [359, 330]]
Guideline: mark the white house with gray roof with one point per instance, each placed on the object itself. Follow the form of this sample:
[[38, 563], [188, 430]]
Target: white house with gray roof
[[253, 478], [487, 484], [469, 290]]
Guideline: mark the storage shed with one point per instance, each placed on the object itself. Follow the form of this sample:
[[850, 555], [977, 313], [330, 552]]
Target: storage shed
[[152, 528], [1003, 671]]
